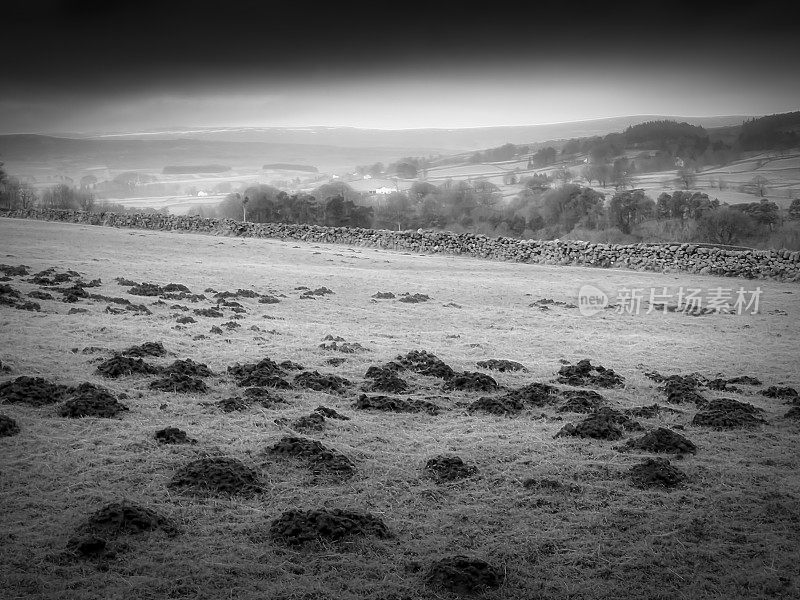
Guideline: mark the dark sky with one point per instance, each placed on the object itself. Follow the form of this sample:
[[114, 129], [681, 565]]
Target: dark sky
[[86, 65]]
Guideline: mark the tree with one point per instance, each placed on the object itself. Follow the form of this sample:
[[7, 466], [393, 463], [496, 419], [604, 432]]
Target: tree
[[629, 208], [794, 210], [397, 211], [621, 173], [725, 225], [760, 183], [686, 177], [563, 175]]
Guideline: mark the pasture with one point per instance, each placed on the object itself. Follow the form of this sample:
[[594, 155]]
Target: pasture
[[542, 516]]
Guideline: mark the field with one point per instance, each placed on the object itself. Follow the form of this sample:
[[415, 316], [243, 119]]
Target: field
[[554, 518]]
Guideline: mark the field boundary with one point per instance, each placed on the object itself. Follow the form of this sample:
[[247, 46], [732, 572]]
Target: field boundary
[[777, 265]]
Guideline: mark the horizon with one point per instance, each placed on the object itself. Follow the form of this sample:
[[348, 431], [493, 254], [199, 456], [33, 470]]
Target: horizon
[[85, 66]]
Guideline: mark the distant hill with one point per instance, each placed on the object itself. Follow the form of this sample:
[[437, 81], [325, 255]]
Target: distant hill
[[414, 140], [290, 167]]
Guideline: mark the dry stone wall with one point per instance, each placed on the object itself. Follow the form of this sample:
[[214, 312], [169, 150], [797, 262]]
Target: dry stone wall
[[779, 265]]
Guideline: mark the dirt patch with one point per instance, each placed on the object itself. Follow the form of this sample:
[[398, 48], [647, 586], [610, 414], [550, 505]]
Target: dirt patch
[[230, 405], [324, 462], [34, 391], [552, 485], [471, 381], [683, 390], [581, 401], [112, 521], [780, 392], [146, 289], [661, 440], [322, 383], [189, 368], [263, 396], [265, 373], [15, 271], [385, 380], [296, 527], [504, 405], [89, 400], [330, 413], [119, 366], [534, 394], [546, 303], [726, 413], [217, 476], [502, 365], [584, 374], [656, 472], [413, 298], [464, 575], [313, 422], [425, 363], [8, 426], [448, 468], [393, 404], [39, 295], [208, 312], [173, 435], [383, 296], [648, 412], [180, 384], [146, 349], [605, 424]]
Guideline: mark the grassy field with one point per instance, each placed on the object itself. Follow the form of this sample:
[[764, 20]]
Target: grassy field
[[578, 528]]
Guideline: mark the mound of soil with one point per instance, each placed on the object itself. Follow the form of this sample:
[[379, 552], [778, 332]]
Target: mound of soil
[[8, 426], [376, 371], [504, 405], [263, 396], [551, 485], [656, 472], [313, 422], [725, 413], [471, 382], [385, 381], [217, 475], [125, 282], [448, 468], [4, 368], [793, 413], [425, 363], [323, 461], [330, 413], [534, 394], [300, 526], [146, 349], [289, 365], [780, 392], [89, 400], [268, 300], [393, 404], [682, 390], [118, 366], [661, 440], [266, 372], [173, 435], [15, 271], [584, 374], [322, 383], [383, 296], [605, 424], [180, 384], [185, 320], [648, 412], [322, 291], [463, 575], [114, 520], [146, 289], [413, 298], [39, 295], [229, 405], [208, 312], [581, 401], [217, 330], [344, 347], [189, 368], [34, 391], [502, 365]]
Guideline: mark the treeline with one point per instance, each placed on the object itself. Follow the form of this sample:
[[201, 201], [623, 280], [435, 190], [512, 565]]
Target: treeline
[[778, 132]]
